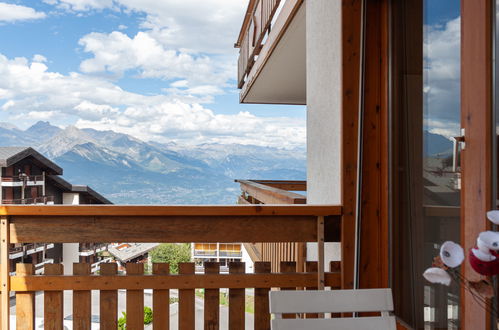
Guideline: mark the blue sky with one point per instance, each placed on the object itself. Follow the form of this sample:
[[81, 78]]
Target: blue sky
[[158, 70]]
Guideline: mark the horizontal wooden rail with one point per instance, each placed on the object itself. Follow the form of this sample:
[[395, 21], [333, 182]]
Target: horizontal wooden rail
[[224, 224], [289, 185], [183, 210], [270, 195], [140, 282]]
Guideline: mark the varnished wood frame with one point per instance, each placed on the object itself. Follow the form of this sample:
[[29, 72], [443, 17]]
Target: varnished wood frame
[[477, 120], [374, 253]]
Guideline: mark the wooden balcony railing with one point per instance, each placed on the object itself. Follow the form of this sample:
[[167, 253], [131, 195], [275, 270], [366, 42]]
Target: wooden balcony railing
[[201, 224], [256, 25], [30, 201]]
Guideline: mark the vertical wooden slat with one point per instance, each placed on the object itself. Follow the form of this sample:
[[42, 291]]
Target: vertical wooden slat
[[311, 267], [320, 252], [25, 301], [108, 300], [161, 300], [135, 299], [53, 301], [211, 300], [5, 269], [186, 304], [262, 314], [288, 267], [236, 299], [82, 308]]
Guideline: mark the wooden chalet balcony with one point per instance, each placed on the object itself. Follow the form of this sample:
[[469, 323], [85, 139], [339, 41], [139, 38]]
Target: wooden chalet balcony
[[180, 224], [264, 26], [30, 201]]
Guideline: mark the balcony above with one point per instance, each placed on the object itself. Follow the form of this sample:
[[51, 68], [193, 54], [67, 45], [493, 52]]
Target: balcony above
[[272, 57], [19, 181]]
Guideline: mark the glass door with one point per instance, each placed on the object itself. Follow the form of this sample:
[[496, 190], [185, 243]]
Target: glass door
[[426, 178]]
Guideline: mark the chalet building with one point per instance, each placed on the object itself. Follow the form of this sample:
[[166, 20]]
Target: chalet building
[[401, 131], [29, 178]]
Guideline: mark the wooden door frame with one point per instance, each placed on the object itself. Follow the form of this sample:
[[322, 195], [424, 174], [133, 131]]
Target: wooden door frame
[[476, 119]]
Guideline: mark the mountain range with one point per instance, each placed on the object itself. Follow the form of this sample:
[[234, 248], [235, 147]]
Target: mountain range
[[129, 171]]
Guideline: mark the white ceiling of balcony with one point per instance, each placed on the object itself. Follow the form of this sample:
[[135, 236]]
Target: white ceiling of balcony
[[282, 79]]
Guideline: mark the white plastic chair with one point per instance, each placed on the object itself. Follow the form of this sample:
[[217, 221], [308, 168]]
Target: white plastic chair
[[335, 301]]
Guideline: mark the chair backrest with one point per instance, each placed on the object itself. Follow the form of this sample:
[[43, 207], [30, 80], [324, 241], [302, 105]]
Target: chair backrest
[[335, 301]]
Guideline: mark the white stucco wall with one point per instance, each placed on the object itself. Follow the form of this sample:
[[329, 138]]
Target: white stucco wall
[[70, 251], [71, 198], [324, 109]]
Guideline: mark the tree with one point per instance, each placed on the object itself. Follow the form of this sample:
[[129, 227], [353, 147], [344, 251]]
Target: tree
[[172, 253]]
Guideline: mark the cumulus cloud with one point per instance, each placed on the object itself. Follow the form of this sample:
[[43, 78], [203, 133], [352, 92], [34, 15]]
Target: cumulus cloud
[[442, 77], [117, 53], [29, 90], [12, 13], [81, 5]]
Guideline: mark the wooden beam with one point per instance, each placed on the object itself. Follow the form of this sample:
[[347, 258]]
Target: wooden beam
[[163, 282], [223, 229], [180, 210], [476, 159], [289, 185], [270, 195], [5, 269], [320, 253], [351, 23]]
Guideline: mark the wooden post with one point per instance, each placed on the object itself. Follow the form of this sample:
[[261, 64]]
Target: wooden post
[[236, 299], [82, 305], [108, 300], [25, 301], [53, 301], [320, 253], [311, 267], [262, 314], [161, 300], [288, 267], [186, 303], [135, 299], [5, 269], [211, 300]]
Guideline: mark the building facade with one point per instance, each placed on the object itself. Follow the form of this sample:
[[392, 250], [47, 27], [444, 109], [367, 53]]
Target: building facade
[[29, 178]]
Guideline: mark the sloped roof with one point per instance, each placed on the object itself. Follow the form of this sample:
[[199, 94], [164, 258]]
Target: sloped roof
[[11, 155], [65, 185], [132, 251]]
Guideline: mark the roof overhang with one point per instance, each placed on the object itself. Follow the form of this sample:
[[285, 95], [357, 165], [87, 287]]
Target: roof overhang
[[278, 75], [37, 158]]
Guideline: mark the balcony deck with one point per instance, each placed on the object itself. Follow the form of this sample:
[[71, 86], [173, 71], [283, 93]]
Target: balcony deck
[[103, 223]]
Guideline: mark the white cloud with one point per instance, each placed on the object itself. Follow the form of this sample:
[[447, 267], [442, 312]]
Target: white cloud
[[12, 13], [442, 77], [39, 58], [31, 91], [118, 53], [80, 5]]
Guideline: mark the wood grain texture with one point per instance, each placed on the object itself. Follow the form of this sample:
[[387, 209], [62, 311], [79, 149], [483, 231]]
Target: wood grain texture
[[135, 299], [476, 161], [224, 229], [161, 300], [108, 299], [351, 23], [53, 301], [270, 195], [211, 300], [5, 270], [262, 314], [82, 307], [179, 210], [185, 281], [186, 304], [25, 302], [236, 299], [288, 267]]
